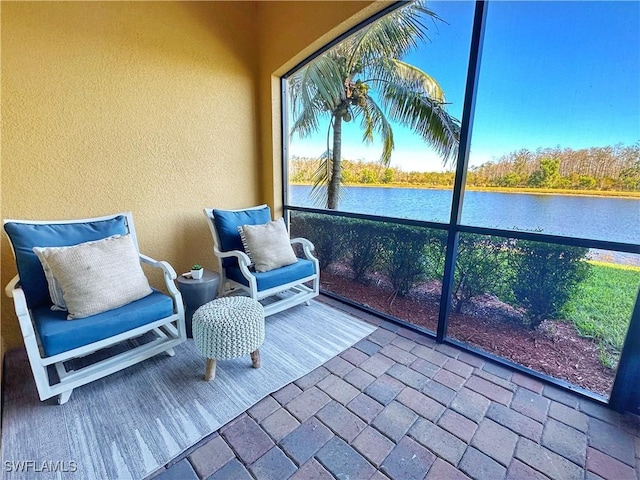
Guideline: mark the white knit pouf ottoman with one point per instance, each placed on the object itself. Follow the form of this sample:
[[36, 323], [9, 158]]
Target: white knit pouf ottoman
[[228, 327]]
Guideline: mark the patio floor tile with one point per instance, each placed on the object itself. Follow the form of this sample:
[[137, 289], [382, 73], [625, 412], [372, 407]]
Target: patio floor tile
[[306, 440], [279, 424], [359, 378], [179, 471], [365, 407], [234, 469], [312, 470], [287, 393], [407, 376], [395, 420], [385, 389], [459, 425], [441, 469], [211, 457], [548, 462], [569, 416], [480, 466], [338, 389], [247, 439], [341, 421], [521, 424], [305, 405], [608, 467], [263, 408], [399, 406], [439, 441], [312, 378], [566, 441], [373, 445], [343, 461], [408, 460], [273, 465], [530, 404], [421, 404], [354, 356], [495, 440]]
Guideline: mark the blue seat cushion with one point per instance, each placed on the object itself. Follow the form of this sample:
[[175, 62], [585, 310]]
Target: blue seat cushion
[[227, 223], [25, 236], [57, 334], [273, 278]]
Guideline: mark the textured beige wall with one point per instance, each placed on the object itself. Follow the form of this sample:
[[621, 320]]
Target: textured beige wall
[[161, 108], [112, 106]]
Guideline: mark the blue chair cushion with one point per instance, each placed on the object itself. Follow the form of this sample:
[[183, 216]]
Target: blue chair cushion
[[227, 223], [57, 334], [273, 278], [25, 236]]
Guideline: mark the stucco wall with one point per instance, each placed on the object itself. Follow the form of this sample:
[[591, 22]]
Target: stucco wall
[[112, 106], [161, 108]]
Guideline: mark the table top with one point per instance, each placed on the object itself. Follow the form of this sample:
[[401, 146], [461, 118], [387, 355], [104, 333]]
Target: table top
[[207, 276]]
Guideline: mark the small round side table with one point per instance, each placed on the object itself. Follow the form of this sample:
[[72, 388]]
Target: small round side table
[[196, 293]]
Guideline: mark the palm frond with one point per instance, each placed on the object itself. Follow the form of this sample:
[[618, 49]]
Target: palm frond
[[320, 178], [394, 35], [395, 71], [373, 120], [424, 116]]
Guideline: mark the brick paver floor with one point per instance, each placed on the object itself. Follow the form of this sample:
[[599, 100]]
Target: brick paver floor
[[397, 405]]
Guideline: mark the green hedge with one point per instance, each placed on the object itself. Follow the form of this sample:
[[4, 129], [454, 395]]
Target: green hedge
[[537, 276]]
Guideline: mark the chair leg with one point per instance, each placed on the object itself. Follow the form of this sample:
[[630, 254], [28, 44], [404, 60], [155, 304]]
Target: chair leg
[[64, 397], [210, 371], [255, 359], [171, 352], [307, 303]]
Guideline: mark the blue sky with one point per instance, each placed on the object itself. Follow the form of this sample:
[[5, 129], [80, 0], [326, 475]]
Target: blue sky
[[552, 74]]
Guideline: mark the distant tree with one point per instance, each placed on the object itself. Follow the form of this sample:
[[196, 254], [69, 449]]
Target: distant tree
[[548, 174], [368, 176], [339, 85]]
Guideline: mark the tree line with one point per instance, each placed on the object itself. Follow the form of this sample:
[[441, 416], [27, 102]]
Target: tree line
[[615, 168]]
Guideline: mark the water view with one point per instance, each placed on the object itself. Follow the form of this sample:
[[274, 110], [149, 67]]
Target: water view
[[597, 218]]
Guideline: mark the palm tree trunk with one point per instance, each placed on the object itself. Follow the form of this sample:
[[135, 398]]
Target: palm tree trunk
[[335, 180]]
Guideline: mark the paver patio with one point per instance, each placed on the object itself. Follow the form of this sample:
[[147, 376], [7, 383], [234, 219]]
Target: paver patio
[[398, 405]]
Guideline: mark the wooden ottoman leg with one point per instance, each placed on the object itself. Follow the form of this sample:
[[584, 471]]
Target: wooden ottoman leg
[[255, 359], [210, 372]]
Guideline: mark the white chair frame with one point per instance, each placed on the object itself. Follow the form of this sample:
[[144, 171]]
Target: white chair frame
[[170, 331], [301, 293]]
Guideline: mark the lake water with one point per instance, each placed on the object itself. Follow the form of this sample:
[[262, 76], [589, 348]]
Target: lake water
[[597, 218]]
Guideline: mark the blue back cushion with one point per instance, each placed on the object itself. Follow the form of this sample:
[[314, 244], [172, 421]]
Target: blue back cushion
[[25, 236], [227, 223]]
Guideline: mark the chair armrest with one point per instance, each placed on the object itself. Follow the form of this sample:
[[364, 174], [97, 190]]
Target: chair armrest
[[12, 285], [168, 272], [166, 268], [243, 261], [243, 258], [307, 247], [13, 290]]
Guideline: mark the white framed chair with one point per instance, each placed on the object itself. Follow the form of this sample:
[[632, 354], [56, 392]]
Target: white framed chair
[[52, 341], [300, 280]]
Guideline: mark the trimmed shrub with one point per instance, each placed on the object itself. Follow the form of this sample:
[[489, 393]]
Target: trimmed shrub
[[482, 266], [365, 245], [546, 275], [404, 260], [326, 232]]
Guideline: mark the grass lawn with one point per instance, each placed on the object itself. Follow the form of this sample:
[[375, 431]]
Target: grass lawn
[[602, 305]]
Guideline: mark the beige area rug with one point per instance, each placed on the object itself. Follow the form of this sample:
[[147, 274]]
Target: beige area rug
[[131, 423]]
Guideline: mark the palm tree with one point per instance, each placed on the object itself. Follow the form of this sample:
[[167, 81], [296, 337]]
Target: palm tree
[[339, 85]]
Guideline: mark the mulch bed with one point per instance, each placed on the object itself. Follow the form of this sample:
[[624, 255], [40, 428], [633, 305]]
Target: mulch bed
[[554, 348]]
